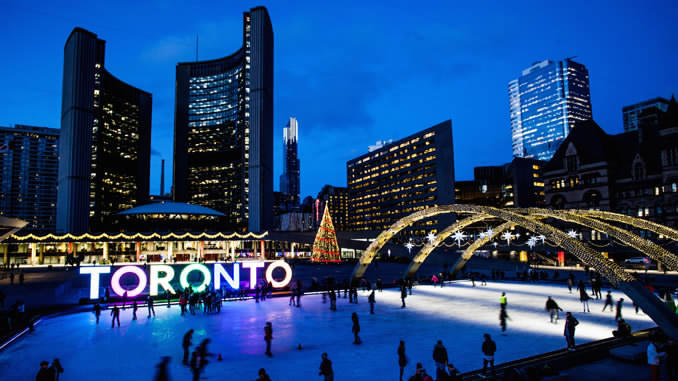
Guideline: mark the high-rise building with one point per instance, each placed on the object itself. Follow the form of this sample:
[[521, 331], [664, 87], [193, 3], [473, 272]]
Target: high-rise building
[[337, 199], [289, 180], [223, 130], [545, 103], [643, 113], [400, 178], [105, 141], [28, 181]]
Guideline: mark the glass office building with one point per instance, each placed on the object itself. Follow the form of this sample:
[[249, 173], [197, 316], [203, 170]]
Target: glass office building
[[105, 140], [545, 103], [28, 177], [644, 113], [289, 180], [223, 130]]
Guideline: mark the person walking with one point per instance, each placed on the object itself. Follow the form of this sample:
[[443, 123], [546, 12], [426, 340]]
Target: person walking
[[135, 307], [440, 358], [553, 309], [186, 344], [503, 316], [149, 302], [402, 358], [489, 348], [326, 368], [355, 328], [97, 311], [618, 314], [56, 369], [262, 375], [371, 300], [608, 301], [584, 297], [115, 312], [268, 336], [570, 323], [403, 295], [162, 372]]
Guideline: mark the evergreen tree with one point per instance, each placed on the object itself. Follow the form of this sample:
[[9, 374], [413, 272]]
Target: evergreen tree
[[325, 247]]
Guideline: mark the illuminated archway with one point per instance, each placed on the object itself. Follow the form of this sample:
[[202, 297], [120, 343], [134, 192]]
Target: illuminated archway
[[633, 221]]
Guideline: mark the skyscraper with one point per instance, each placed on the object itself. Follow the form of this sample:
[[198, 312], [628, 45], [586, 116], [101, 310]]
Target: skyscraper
[[28, 177], [289, 180], [223, 130], [545, 103], [643, 112], [105, 141]]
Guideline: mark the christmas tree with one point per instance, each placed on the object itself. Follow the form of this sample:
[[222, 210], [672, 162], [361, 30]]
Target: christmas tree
[[325, 247]]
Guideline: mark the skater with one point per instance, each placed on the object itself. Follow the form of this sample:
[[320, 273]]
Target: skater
[[293, 291], [503, 316], [124, 299], [410, 284], [355, 328], [608, 301], [203, 353], [371, 300], [186, 344], [403, 295], [333, 300], [488, 348], [355, 295], [149, 302], [380, 285], [115, 312], [584, 297], [402, 358], [162, 373], [44, 374], [97, 311], [502, 301], [570, 282], [570, 324], [300, 291], [182, 304], [326, 368], [268, 336], [135, 307], [195, 366], [56, 369], [483, 280], [553, 309], [257, 290], [263, 376], [168, 296], [473, 280], [618, 314], [440, 358]]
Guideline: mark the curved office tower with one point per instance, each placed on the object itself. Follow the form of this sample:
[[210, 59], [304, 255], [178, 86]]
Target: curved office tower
[[105, 141], [223, 130]]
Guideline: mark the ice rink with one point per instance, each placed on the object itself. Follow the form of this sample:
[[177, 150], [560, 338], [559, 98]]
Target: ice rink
[[457, 314]]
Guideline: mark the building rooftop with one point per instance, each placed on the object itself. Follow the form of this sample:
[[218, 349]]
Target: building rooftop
[[170, 207]]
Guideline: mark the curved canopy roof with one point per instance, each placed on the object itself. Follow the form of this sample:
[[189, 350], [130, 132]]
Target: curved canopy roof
[[170, 207]]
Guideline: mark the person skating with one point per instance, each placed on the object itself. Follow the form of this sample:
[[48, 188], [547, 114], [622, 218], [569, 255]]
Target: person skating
[[553, 309], [300, 292], [355, 328], [268, 336], [56, 369], [570, 323], [149, 301], [584, 297], [489, 348], [618, 314], [380, 285], [186, 344], [115, 312], [403, 295], [326, 368], [473, 280], [608, 301], [124, 299], [135, 307], [371, 300], [503, 316], [162, 372], [440, 358], [257, 290], [44, 374], [182, 304], [97, 311], [402, 358], [503, 302], [483, 280], [410, 284], [195, 366], [168, 296], [262, 375], [203, 353], [570, 282], [293, 291], [333, 300]]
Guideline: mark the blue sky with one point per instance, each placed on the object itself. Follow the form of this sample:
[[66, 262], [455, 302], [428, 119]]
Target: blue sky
[[351, 72]]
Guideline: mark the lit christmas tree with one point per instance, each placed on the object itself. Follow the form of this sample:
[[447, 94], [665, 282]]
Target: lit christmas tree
[[325, 247]]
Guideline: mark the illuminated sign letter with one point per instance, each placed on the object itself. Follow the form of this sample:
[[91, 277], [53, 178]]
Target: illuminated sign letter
[[141, 276], [162, 281], [94, 280], [207, 277], [288, 273], [253, 266], [219, 272]]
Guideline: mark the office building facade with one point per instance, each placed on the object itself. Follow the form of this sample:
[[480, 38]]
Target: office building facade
[[28, 181], [223, 130], [289, 180], [105, 140], [643, 113], [337, 199], [400, 178], [545, 102]]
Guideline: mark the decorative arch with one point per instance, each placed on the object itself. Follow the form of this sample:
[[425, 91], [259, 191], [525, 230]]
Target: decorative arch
[[477, 244], [633, 221]]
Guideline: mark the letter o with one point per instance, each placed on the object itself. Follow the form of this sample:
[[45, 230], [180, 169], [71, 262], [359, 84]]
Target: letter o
[[115, 281], [288, 273], [183, 278]]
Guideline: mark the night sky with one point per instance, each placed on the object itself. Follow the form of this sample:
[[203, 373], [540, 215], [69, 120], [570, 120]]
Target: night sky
[[352, 73]]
